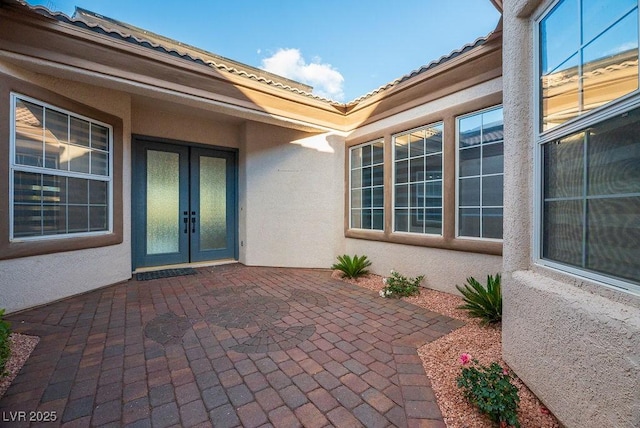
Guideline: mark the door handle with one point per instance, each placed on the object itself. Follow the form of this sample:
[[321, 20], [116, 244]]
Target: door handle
[[193, 222], [186, 221]]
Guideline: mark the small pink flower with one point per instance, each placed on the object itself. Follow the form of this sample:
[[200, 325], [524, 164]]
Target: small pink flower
[[505, 372], [465, 358]]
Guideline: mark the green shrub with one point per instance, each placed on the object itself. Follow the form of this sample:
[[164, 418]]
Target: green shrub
[[483, 302], [352, 267], [5, 351], [491, 391], [400, 286]]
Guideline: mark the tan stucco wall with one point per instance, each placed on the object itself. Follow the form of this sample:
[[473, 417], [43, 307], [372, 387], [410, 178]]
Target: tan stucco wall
[[442, 269], [32, 281], [417, 113], [573, 342], [576, 350], [291, 197], [161, 123]]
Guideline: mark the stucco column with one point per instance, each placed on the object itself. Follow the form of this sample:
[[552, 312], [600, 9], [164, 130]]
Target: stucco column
[[518, 142]]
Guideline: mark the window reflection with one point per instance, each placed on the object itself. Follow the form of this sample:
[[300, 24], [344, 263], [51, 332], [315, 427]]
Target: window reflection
[[367, 186], [559, 35], [591, 202], [418, 204], [480, 171], [57, 202], [588, 57]]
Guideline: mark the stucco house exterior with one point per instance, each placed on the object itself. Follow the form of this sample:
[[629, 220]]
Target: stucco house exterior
[[124, 151], [571, 326]]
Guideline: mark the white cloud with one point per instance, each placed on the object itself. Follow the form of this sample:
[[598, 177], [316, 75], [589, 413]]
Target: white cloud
[[326, 80]]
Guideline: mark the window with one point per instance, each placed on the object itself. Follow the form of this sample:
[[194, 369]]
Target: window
[[588, 56], [414, 202], [590, 180], [367, 186], [61, 172], [418, 180], [480, 174], [591, 197]]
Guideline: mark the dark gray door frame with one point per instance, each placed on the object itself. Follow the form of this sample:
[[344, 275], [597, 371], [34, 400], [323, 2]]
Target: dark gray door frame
[[189, 242]]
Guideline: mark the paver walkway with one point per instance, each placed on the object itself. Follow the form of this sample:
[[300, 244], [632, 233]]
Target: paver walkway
[[228, 346]]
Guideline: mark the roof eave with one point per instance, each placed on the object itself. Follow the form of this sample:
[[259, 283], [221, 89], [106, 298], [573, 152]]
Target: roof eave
[[140, 65], [137, 35], [477, 65]]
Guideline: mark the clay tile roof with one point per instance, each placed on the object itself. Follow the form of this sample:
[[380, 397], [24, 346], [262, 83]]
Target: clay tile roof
[[110, 27], [123, 31], [147, 38], [433, 64]]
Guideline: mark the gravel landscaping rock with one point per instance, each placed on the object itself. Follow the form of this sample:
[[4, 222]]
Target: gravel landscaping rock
[[21, 347], [440, 359]]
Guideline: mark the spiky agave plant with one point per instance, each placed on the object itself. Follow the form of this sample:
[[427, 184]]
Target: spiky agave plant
[[352, 267], [483, 302]]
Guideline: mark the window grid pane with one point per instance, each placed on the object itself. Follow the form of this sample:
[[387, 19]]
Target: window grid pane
[[418, 180], [61, 183], [367, 187], [480, 174], [28, 133], [591, 198], [588, 57], [588, 54], [52, 205]]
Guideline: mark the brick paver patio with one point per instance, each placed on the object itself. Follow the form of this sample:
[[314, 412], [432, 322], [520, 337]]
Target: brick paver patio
[[229, 346]]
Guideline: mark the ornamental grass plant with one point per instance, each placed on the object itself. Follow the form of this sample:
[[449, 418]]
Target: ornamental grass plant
[[352, 267], [483, 302]]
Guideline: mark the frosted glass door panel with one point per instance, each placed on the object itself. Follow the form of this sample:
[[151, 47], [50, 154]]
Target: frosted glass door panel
[[163, 200], [213, 203], [184, 204]]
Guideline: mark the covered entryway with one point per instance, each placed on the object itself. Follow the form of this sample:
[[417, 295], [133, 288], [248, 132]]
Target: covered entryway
[[184, 203]]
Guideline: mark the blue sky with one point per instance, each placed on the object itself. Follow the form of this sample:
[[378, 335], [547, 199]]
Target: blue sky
[[343, 48]]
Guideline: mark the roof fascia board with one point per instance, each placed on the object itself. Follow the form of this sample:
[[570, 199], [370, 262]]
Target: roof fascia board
[[271, 98], [474, 67], [124, 46], [165, 93], [254, 95], [110, 25], [418, 79]]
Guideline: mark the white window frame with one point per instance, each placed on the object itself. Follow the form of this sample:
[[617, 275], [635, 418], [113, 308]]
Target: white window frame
[[581, 122], [457, 225], [13, 167], [351, 149], [393, 180]]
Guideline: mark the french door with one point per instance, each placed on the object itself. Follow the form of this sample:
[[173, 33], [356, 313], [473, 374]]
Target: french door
[[184, 204]]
